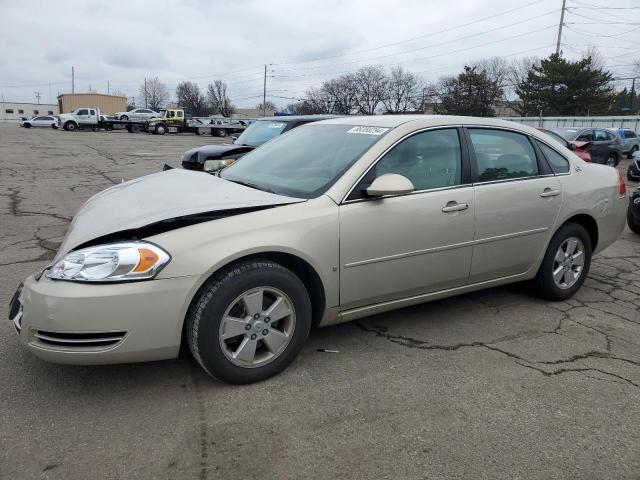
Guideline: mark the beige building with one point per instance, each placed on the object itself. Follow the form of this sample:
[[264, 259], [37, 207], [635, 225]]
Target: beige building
[[107, 104]]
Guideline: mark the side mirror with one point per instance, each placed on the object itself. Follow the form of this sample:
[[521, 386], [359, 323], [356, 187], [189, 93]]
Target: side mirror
[[572, 146], [390, 184]]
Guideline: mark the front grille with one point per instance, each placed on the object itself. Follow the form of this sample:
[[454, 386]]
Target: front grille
[[78, 341]]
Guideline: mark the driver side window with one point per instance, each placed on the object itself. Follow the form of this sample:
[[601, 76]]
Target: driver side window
[[430, 159]]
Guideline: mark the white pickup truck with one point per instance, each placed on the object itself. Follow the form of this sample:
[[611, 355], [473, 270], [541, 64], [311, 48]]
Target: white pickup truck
[[81, 118]]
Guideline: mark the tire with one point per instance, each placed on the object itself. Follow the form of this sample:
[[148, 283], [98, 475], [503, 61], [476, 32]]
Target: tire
[[27, 125], [221, 297], [124, 117], [632, 151], [160, 130], [546, 286], [134, 128], [54, 126], [611, 160], [95, 129], [221, 132], [70, 126], [634, 226]]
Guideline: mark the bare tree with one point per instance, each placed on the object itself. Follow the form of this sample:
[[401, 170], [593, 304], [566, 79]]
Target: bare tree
[[154, 93], [219, 100], [317, 101], [402, 89], [371, 84], [269, 106], [189, 97], [341, 94]]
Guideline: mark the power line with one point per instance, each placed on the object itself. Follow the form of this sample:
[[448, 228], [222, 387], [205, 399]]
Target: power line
[[395, 54], [457, 27]]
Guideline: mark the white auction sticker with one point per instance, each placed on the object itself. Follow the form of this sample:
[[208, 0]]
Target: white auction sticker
[[368, 130], [276, 125]]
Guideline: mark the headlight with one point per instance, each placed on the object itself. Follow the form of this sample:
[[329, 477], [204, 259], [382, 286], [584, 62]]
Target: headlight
[[215, 165], [115, 262]]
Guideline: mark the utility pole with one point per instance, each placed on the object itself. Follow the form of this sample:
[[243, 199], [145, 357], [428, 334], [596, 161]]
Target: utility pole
[[564, 3], [631, 95], [264, 93], [108, 89], [38, 95], [145, 92], [73, 80]]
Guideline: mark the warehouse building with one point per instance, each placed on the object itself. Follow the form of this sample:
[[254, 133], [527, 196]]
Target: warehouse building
[[15, 110], [107, 104]]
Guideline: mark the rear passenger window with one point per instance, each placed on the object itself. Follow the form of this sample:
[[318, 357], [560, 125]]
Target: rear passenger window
[[501, 155], [558, 163], [630, 134], [429, 159]]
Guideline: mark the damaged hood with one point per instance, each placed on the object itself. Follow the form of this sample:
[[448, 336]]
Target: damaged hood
[[212, 152], [161, 196]]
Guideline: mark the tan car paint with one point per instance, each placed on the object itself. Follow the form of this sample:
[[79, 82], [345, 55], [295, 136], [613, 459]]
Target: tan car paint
[[359, 257]]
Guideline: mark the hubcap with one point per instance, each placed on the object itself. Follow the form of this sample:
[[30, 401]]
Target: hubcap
[[611, 161], [257, 327], [568, 263]]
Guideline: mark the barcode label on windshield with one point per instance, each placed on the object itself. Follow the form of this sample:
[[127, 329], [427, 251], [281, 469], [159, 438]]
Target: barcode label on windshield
[[276, 125], [368, 130]]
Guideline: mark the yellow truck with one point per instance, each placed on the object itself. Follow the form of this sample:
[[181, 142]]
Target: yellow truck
[[175, 120]]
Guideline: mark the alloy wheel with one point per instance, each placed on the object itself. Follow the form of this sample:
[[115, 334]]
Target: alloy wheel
[[257, 327], [568, 263]]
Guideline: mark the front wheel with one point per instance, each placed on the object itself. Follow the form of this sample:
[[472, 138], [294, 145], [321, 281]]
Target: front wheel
[[565, 264], [160, 130], [70, 126], [27, 125], [249, 322], [632, 151], [222, 132], [612, 160], [124, 118]]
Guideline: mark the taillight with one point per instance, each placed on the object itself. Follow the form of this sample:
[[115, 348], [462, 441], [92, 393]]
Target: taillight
[[622, 188]]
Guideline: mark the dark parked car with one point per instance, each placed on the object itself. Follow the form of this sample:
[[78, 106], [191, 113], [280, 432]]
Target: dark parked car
[[605, 147], [633, 172], [212, 158], [633, 212]]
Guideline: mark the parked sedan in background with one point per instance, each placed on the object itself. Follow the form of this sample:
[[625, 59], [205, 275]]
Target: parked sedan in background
[[137, 115], [40, 121], [605, 147], [334, 221], [211, 158], [579, 148]]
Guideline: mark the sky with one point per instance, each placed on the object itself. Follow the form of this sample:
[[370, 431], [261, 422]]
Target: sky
[[116, 44]]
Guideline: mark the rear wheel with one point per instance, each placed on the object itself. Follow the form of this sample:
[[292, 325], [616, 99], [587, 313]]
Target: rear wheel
[[612, 160], [222, 132], [27, 125], [565, 264], [54, 126], [249, 322], [134, 128]]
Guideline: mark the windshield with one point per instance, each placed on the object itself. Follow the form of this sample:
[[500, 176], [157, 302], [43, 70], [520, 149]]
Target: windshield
[[306, 161], [260, 132], [566, 133]]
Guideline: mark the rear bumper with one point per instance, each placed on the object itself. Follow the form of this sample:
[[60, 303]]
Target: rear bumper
[[73, 323]]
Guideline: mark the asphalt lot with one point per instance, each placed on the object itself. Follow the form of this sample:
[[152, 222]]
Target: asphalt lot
[[496, 384]]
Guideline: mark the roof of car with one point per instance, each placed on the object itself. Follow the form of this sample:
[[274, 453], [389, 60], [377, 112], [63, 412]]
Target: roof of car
[[392, 121], [298, 118]]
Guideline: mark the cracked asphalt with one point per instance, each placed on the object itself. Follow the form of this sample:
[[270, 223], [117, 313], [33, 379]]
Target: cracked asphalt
[[495, 384]]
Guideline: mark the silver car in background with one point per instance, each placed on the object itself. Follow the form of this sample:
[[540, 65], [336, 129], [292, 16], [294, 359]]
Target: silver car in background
[[47, 121], [137, 115], [331, 222]]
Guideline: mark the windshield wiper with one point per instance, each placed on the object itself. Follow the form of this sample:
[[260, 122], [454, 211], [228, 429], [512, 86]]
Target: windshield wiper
[[252, 185]]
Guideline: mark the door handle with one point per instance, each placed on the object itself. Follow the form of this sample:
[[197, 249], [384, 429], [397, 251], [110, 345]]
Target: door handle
[[455, 207], [550, 193]]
